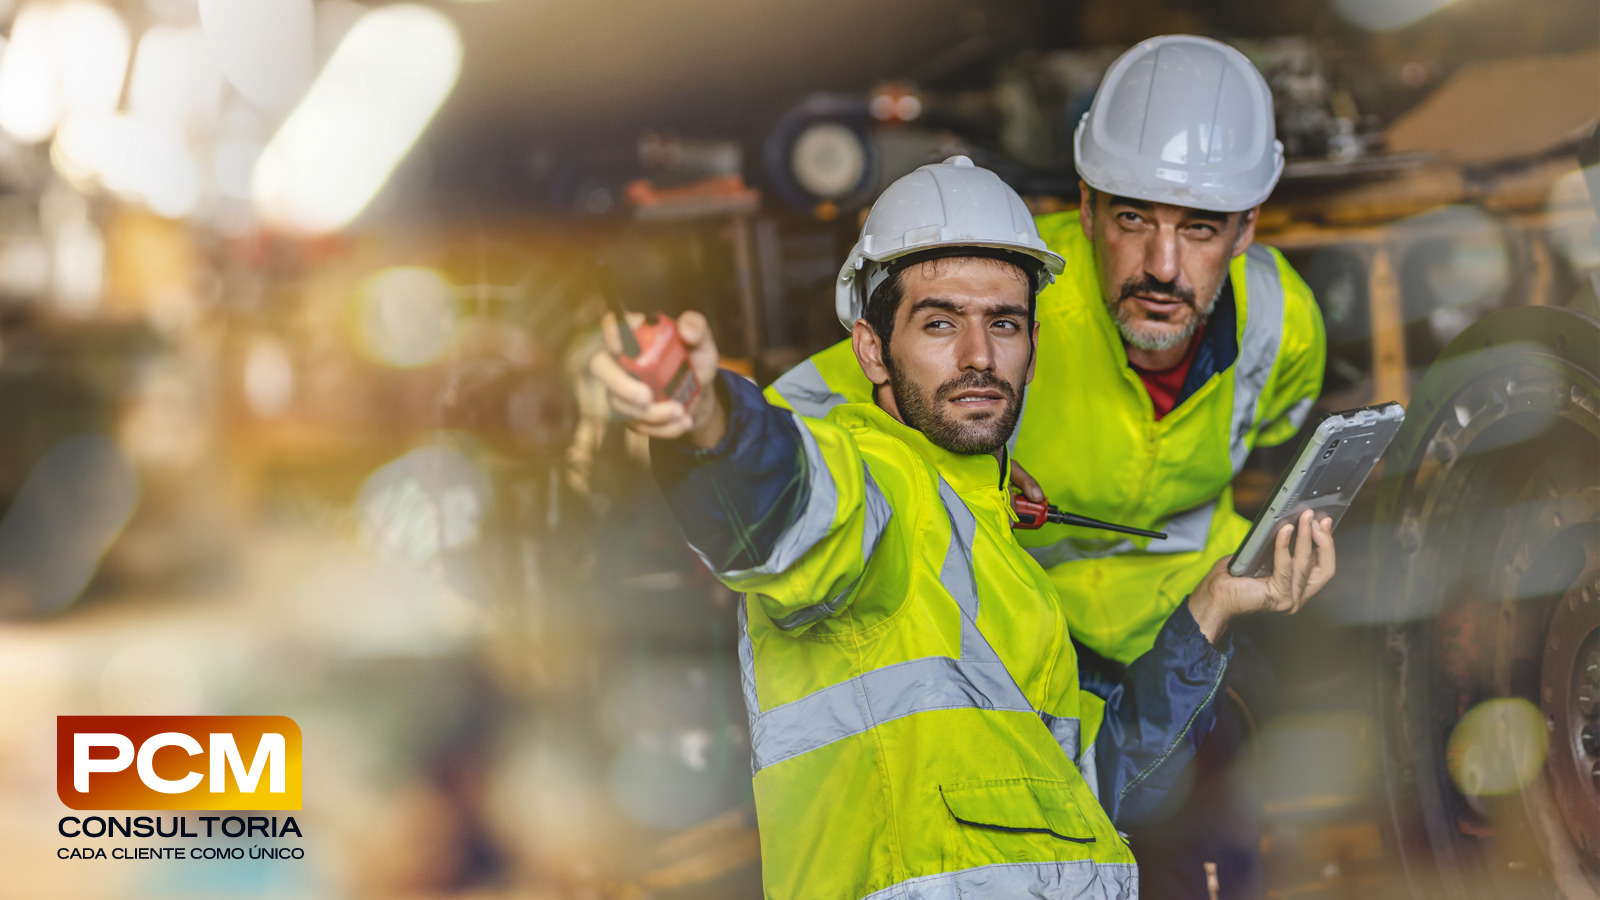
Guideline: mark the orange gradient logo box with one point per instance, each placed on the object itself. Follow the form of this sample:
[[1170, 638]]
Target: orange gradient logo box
[[178, 762]]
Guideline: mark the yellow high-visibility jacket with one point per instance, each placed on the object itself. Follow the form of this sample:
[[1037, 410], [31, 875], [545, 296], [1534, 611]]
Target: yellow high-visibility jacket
[[912, 689], [1089, 436]]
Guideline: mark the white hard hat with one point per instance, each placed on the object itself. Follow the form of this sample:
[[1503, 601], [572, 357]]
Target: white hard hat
[[1185, 120], [952, 204]]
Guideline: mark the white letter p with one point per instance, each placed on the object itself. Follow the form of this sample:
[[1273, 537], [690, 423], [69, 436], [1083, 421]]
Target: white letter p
[[83, 764]]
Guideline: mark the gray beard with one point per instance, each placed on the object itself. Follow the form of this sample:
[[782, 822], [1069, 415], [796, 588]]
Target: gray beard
[[1155, 343]]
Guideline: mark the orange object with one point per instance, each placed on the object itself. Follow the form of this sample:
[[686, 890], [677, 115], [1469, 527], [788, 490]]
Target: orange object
[[660, 359]]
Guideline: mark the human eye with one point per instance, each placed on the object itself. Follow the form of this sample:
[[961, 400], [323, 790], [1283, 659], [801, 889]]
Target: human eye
[[1007, 325], [1202, 230]]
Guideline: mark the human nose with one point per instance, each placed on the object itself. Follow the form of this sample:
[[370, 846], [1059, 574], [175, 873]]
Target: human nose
[[975, 349], [1161, 255]]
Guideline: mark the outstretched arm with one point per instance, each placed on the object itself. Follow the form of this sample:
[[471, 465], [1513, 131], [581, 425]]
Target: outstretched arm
[[731, 466], [776, 506]]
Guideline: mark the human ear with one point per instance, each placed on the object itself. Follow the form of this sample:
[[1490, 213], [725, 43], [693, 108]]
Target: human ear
[[1086, 208], [869, 352], [1033, 354], [1247, 231]]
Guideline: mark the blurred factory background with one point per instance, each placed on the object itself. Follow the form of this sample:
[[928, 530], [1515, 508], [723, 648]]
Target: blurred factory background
[[295, 302]]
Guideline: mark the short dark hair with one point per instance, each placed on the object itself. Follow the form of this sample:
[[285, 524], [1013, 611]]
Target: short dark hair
[[885, 301]]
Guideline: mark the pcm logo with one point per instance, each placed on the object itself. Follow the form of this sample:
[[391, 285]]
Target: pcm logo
[[178, 762]]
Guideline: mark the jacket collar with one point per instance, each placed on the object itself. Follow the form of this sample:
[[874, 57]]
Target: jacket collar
[[962, 471]]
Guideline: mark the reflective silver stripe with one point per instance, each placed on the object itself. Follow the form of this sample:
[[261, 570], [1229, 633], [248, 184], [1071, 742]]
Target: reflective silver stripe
[[747, 663], [1297, 413], [1186, 533], [1065, 729], [747, 674], [807, 391], [822, 503], [852, 707], [1258, 348], [877, 515], [1083, 878], [978, 680], [1090, 771], [958, 575]]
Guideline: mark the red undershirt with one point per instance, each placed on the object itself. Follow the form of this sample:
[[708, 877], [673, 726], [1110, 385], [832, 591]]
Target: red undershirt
[[1165, 385]]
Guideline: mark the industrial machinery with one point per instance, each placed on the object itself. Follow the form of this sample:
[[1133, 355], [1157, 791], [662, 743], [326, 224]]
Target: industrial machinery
[[1486, 564], [1485, 571]]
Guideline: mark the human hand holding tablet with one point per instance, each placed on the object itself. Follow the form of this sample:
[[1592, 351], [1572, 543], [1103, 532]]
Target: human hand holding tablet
[[1325, 476]]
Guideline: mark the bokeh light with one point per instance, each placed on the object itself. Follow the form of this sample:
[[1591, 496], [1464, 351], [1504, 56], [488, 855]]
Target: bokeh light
[[1497, 748], [432, 499], [268, 378], [175, 79], [1387, 15], [150, 678], [73, 505], [145, 160], [1456, 266], [359, 119], [78, 264], [263, 47], [1573, 231], [1317, 764], [407, 316], [63, 59]]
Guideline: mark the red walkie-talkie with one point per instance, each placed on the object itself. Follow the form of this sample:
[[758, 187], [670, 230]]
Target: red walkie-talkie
[[654, 354]]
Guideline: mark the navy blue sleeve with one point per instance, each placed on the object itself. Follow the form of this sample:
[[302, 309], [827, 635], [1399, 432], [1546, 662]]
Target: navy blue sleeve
[[736, 499], [1158, 710]]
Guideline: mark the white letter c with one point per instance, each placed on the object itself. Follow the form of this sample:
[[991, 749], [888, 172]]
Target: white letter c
[[147, 755]]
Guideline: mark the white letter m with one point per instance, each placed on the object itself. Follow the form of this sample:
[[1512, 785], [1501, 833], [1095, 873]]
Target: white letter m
[[269, 755]]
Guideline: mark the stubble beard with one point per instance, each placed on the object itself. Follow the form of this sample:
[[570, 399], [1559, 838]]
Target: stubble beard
[[1138, 332], [972, 437]]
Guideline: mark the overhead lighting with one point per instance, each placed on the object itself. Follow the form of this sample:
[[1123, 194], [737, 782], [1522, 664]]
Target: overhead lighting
[[174, 78], [30, 104], [235, 160], [361, 116], [63, 59], [91, 44], [140, 159], [264, 47], [1387, 15]]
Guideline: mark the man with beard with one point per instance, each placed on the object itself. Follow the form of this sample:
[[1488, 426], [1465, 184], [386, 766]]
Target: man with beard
[[907, 667], [1171, 347]]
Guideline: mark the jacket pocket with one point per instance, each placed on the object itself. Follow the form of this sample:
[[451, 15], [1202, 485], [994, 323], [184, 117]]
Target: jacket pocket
[[1025, 805]]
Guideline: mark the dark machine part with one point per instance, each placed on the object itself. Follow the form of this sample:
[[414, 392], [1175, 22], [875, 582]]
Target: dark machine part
[[821, 152], [833, 153], [1486, 562]]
